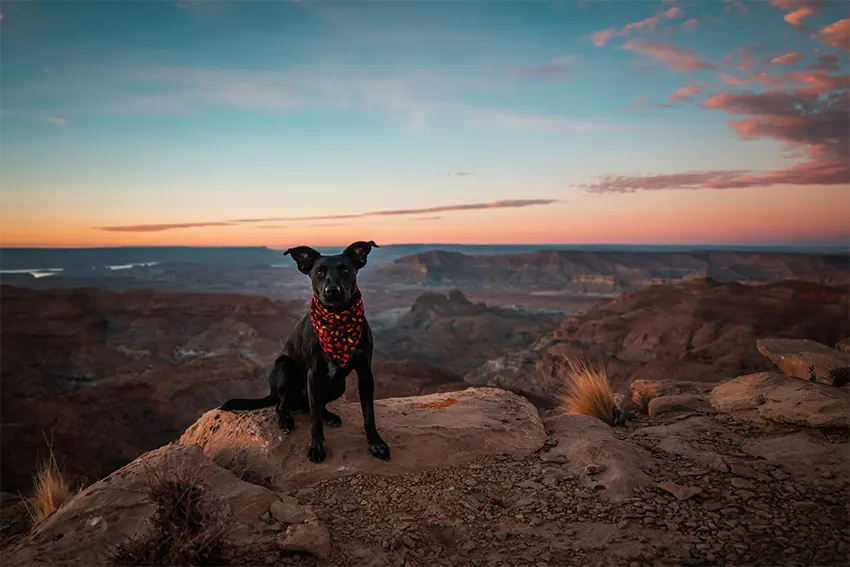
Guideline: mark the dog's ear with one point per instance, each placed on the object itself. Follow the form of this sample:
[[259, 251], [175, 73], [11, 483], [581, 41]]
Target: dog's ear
[[358, 252], [304, 256]]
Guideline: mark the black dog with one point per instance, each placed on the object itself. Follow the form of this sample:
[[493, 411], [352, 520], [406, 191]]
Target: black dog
[[329, 342]]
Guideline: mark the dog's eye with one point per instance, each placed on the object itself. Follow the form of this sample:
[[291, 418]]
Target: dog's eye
[[343, 271], [320, 272]]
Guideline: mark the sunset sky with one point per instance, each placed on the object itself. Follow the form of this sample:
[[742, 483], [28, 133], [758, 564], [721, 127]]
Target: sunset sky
[[299, 122]]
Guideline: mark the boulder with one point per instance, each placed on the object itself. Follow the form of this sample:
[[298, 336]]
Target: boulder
[[794, 357], [117, 508], [643, 391], [677, 402], [422, 432], [593, 454], [783, 399]]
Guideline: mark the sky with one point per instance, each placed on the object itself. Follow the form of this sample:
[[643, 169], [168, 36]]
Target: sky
[[285, 123]]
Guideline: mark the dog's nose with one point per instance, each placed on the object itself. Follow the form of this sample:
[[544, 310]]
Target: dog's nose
[[332, 290]]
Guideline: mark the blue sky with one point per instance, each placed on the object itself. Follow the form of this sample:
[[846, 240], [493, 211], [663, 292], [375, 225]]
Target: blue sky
[[144, 115]]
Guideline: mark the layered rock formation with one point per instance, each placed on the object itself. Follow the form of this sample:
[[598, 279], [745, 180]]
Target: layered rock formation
[[701, 331]]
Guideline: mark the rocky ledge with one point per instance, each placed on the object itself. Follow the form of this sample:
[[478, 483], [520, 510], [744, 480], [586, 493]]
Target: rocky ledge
[[477, 478]]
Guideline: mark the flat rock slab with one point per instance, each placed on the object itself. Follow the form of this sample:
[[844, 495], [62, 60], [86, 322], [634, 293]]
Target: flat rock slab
[[423, 432], [591, 452], [806, 454], [107, 513], [784, 399], [795, 356]]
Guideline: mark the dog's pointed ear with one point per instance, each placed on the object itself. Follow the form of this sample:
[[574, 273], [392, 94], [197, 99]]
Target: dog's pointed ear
[[304, 256], [358, 252]]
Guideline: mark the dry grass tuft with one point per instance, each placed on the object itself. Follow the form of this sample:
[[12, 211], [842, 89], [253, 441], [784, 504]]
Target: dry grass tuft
[[51, 488], [187, 528], [587, 391]]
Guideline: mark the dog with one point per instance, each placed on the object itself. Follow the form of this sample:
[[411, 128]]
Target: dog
[[330, 341]]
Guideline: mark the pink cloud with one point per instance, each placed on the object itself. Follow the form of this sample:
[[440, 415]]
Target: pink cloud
[[836, 35], [757, 78], [813, 126], [602, 37], [827, 63], [686, 93], [787, 59], [818, 83], [648, 23], [674, 58], [160, 227], [690, 24], [798, 10], [674, 12], [505, 204], [513, 203]]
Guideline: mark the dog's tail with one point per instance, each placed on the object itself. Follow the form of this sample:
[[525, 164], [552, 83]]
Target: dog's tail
[[246, 404]]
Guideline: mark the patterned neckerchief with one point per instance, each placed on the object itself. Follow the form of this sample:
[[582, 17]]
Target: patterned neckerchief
[[338, 332]]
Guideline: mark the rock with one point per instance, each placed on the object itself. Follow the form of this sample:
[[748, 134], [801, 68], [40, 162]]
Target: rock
[[110, 511], [719, 464], [795, 356], [805, 454], [644, 391], [741, 483], [680, 492], [677, 402], [290, 512], [593, 469], [783, 399], [686, 437], [423, 432], [586, 442], [746, 472], [311, 537]]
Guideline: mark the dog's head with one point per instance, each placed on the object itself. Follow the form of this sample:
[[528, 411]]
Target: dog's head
[[334, 278]]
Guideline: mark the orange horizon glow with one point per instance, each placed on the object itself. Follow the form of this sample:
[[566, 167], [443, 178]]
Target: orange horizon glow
[[742, 216]]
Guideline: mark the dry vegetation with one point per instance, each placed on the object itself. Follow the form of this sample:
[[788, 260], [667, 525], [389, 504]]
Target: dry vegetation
[[51, 488], [186, 527], [587, 391]]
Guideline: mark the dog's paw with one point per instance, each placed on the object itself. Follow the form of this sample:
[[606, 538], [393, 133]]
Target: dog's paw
[[380, 450], [331, 419], [286, 423], [316, 451]]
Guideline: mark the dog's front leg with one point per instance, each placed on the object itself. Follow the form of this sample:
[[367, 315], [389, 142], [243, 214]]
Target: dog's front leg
[[366, 389], [316, 396]]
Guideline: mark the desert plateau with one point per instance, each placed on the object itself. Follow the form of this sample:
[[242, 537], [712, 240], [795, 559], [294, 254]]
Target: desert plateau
[[728, 451]]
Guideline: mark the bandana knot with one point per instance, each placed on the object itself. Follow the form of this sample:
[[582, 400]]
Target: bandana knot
[[338, 331]]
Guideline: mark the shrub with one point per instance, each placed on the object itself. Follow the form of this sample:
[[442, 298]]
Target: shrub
[[51, 488], [186, 527], [587, 391]]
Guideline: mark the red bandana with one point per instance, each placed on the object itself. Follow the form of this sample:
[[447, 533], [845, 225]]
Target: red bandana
[[338, 332]]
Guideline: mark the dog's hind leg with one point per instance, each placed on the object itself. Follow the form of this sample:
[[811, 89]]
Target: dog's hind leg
[[280, 380]]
